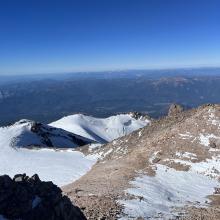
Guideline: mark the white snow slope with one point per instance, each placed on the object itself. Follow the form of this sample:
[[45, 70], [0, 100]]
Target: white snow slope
[[101, 130], [60, 166], [25, 133]]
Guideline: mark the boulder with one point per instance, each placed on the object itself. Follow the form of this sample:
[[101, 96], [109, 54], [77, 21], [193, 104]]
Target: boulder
[[174, 109], [29, 198]]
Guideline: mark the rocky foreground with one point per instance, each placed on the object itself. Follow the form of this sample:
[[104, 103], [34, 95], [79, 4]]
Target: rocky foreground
[[29, 198], [167, 170]]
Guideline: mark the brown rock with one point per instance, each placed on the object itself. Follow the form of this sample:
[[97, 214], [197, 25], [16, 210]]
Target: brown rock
[[175, 109]]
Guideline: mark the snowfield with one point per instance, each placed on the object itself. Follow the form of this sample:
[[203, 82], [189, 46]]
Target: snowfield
[[60, 166], [102, 130]]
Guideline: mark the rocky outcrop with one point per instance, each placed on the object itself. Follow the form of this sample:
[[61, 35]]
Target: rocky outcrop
[[174, 109], [34, 134], [48, 132], [29, 198], [139, 115]]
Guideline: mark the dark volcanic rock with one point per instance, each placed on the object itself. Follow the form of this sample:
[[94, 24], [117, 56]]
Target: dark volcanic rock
[[138, 115], [29, 198]]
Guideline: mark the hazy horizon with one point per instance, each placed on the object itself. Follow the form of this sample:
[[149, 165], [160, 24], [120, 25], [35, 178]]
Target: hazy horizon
[[113, 70]]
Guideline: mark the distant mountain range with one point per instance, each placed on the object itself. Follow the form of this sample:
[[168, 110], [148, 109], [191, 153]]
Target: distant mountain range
[[113, 74], [103, 95]]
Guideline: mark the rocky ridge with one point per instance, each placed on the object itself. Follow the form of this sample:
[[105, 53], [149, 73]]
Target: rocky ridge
[[185, 143]]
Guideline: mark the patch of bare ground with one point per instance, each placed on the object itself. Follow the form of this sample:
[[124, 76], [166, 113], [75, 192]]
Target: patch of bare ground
[[194, 213], [166, 141], [211, 212]]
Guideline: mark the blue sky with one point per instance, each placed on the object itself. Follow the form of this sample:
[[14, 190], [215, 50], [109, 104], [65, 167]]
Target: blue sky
[[41, 36]]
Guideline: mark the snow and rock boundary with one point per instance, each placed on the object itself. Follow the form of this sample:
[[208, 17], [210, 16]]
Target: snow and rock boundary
[[172, 145]]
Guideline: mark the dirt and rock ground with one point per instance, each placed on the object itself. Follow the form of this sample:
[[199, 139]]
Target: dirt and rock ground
[[97, 192]]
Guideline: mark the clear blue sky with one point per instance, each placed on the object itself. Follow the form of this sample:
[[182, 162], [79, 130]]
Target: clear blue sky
[[38, 36]]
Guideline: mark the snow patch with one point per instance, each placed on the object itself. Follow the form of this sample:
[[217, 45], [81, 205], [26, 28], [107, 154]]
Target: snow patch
[[157, 196], [204, 139], [139, 133], [153, 157], [210, 167], [94, 146], [108, 152], [187, 135], [186, 155]]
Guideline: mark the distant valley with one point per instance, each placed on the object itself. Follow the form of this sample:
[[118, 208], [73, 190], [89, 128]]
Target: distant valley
[[47, 98]]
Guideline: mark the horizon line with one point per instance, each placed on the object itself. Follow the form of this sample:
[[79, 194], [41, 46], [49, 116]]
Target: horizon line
[[112, 70]]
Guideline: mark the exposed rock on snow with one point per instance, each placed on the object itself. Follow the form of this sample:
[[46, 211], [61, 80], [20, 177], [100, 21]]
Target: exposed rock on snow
[[25, 133], [139, 116], [31, 199]]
